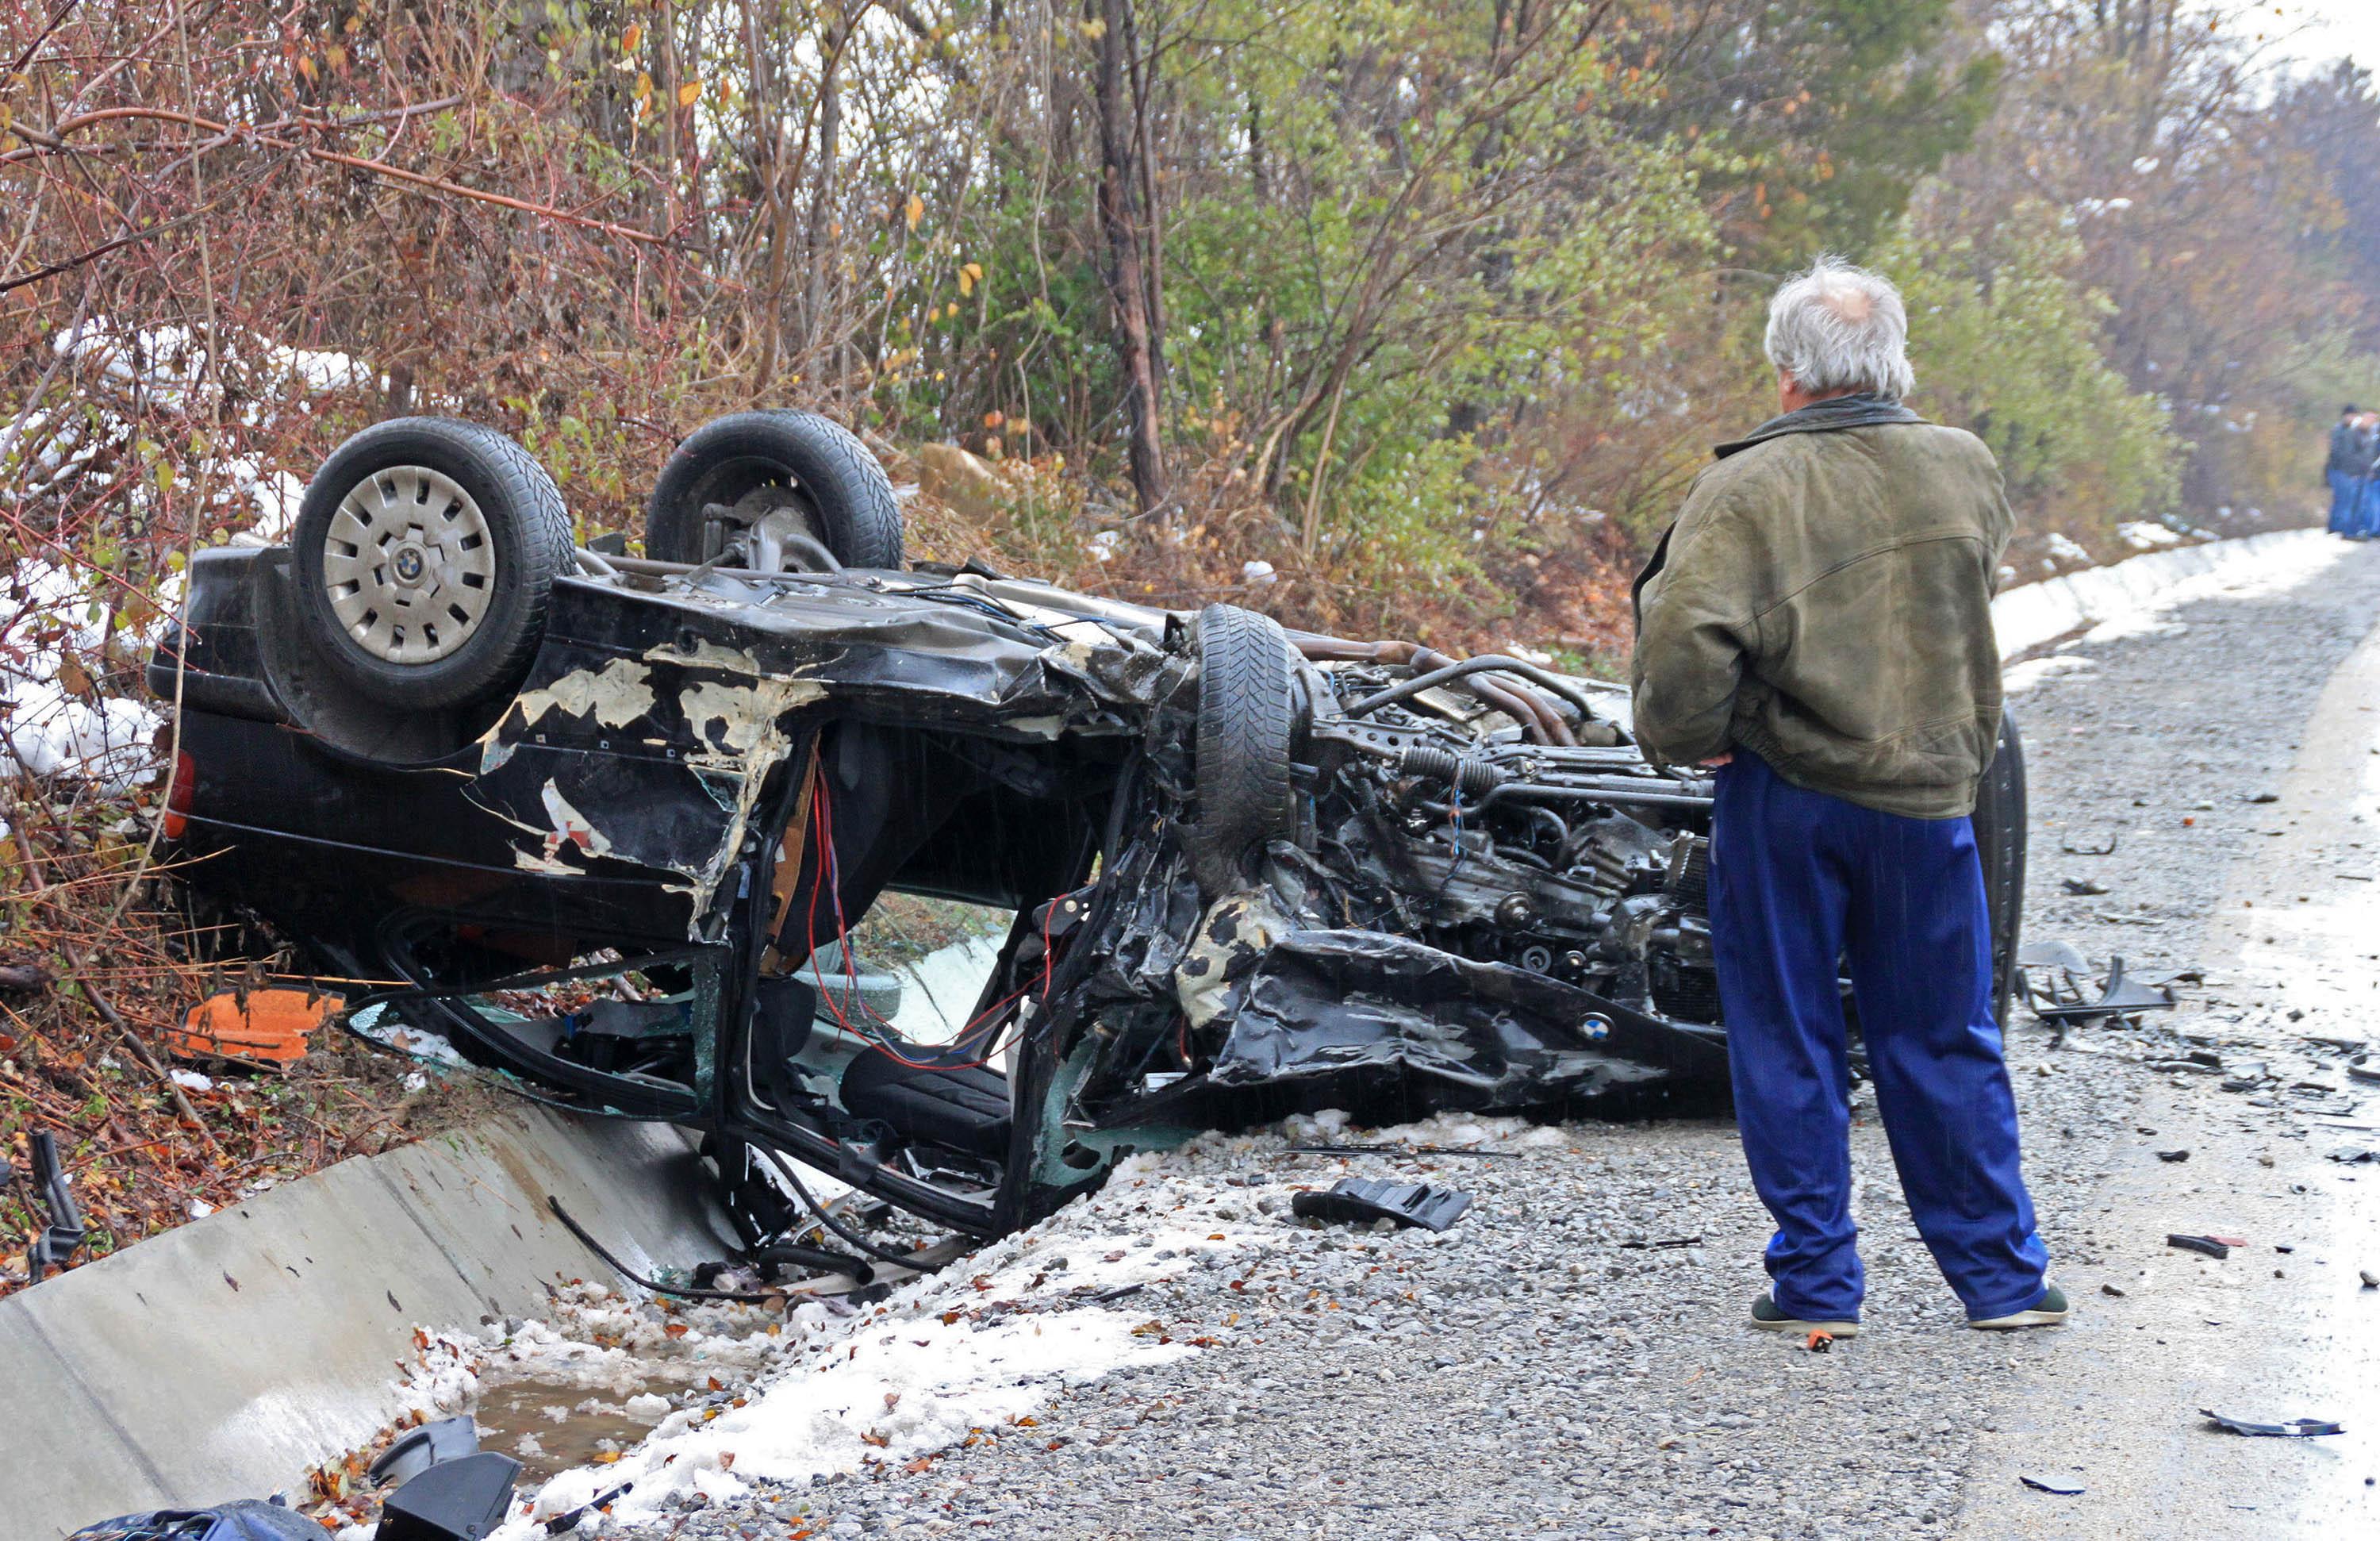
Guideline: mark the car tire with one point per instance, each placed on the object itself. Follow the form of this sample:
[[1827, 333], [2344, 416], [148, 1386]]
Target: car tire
[[1246, 735], [813, 464], [1999, 823], [424, 556]]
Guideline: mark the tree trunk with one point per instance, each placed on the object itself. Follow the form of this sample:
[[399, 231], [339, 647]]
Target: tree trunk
[[822, 348], [1123, 220]]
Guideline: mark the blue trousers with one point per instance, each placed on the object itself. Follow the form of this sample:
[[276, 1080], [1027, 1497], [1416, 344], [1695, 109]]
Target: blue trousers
[[2365, 522], [1798, 881], [2342, 502]]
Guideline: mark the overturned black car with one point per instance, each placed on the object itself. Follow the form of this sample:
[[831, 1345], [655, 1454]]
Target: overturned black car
[[459, 762]]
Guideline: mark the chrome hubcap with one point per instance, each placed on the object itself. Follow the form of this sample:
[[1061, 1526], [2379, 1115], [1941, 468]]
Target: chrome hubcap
[[407, 565]]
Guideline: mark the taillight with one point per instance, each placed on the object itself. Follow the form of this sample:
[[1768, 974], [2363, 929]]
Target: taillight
[[179, 792]]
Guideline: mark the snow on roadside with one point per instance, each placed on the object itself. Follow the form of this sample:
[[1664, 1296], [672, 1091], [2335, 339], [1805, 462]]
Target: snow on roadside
[[2282, 566], [2115, 605], [993, 1339], [2065, 548], [2135, 597], [983, 1344], [2017, 678], [58, 624], [740, 1396], [52, 719]]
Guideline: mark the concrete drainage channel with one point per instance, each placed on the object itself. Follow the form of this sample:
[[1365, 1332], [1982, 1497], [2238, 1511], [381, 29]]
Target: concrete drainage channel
[[237, 1354], [231, 1356]]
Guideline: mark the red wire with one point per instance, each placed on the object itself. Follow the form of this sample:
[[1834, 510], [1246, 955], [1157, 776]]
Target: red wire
[[822, 825], [1049, 912]]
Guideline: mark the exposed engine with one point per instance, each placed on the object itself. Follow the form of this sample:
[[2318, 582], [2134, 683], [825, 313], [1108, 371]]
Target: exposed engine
[[1569, 860], [1483, 889]]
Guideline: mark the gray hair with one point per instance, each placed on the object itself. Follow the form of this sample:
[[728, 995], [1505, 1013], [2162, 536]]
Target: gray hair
[[1840, 328]]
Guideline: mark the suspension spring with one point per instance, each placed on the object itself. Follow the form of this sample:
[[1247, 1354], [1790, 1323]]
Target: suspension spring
[[1466, 775]]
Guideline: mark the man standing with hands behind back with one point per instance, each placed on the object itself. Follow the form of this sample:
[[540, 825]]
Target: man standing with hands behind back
[[1817, 626]]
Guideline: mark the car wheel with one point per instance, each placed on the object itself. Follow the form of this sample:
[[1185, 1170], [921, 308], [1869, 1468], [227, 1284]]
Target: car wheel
[[758, 476], [424, 553], [1247, 728], [2000, 841]]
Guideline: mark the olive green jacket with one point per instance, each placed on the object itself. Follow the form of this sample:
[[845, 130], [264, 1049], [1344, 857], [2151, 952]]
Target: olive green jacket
[[1824, 601]]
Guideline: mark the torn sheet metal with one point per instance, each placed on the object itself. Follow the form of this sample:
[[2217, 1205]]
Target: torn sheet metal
[[1478, 1035]]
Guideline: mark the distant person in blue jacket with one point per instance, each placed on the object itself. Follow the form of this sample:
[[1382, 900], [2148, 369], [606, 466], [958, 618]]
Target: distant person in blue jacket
[[2344, 470], [2364, 522]]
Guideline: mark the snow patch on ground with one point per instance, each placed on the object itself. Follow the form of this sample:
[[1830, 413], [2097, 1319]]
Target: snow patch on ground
[[2020, 677], [886, 1396], [2132, 597], [982, 1346], [54, 629], [384, 1028], [67, 634], [2281, 567]]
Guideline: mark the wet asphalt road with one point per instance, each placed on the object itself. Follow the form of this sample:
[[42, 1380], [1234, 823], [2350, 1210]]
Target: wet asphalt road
[[1533, 1374]]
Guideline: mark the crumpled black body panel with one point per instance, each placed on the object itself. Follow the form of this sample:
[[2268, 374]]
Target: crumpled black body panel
[[1458, 1033]]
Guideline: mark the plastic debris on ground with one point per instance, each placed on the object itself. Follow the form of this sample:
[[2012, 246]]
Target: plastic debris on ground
[[271, 1026], [382, 1026], [2052, 976], [445, 1488], [2295, 1428], [460, 1499], [2051, 1484], [1359, 1200], [422, 1446]]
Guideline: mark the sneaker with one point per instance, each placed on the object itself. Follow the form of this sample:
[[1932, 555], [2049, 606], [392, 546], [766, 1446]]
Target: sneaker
[[1770, 1318], [2050, 1310]]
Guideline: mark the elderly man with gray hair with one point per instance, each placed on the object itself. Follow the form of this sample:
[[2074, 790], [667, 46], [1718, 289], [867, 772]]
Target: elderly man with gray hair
[[1816, 626]]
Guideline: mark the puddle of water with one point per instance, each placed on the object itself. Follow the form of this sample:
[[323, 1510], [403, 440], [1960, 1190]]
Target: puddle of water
[[549, 1427]]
